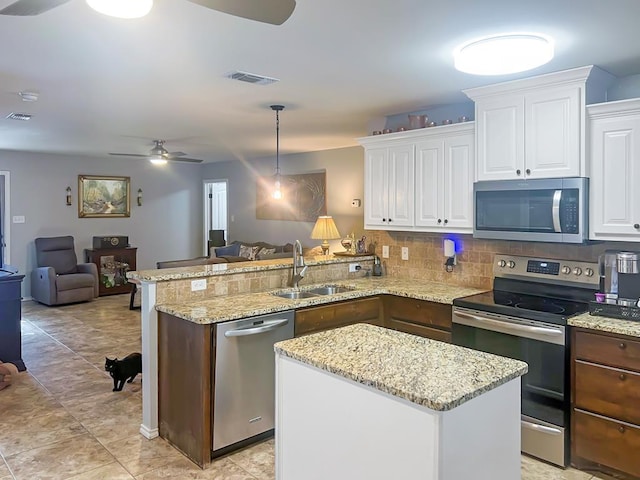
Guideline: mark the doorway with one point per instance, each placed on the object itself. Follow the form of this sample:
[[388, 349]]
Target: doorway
[[5, 214], [215, 209]]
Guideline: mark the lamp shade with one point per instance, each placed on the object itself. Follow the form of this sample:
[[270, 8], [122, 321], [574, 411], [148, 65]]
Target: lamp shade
[[325, 229]]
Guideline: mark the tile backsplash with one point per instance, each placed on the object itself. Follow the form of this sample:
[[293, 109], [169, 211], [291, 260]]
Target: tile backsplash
[[475, 257]]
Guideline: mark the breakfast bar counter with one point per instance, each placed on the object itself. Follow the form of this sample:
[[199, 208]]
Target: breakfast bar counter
[[363, 395]]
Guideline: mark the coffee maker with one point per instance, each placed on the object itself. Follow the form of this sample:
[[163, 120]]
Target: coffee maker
[[620, 276], [628, 265]]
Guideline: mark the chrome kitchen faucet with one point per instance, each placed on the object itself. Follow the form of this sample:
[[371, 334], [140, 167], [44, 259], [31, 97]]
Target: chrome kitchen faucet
[[298, 261]]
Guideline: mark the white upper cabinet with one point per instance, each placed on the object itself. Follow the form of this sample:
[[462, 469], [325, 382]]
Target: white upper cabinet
[[438, 197], [444, 181], [535, 127], [614, 131], [388, 202]]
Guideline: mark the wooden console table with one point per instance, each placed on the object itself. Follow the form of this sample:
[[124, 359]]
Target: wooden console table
[[113, 265]]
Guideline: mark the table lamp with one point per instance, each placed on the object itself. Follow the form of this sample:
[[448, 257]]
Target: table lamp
[[325, 229]]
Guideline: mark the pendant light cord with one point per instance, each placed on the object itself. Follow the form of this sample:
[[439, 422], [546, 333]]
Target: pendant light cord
[[277, 109]]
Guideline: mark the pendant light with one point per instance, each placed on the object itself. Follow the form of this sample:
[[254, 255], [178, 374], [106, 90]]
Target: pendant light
[[277, 191]]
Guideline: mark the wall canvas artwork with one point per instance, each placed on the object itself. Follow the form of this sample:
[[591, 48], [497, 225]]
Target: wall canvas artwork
[[103, 197], [303, 197]]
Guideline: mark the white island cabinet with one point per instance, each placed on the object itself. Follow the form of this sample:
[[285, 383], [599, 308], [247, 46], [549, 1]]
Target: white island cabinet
[[364, 402]]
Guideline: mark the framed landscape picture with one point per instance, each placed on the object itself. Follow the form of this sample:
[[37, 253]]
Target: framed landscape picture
[[103, 197]]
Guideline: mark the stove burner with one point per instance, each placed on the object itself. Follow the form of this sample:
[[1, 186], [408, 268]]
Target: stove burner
[[542, 306]]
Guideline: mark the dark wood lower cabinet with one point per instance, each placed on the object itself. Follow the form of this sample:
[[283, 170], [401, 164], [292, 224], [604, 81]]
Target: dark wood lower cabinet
[[605, 395], [418, 317], [339, 314], [185, 386]]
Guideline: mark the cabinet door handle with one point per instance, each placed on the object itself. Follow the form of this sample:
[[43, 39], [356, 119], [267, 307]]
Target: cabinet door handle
[[446, 221], [518, 172], [528, 172], [622, 346], [439, 220], [621, 429], [636, 225], [384, 219], [389, 220], [622, 376]]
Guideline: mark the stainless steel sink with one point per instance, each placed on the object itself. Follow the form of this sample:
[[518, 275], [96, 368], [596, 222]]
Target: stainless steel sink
[[294, 295], [330, 290]]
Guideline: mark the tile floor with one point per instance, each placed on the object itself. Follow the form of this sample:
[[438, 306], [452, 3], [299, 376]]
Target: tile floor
[[60, 420]]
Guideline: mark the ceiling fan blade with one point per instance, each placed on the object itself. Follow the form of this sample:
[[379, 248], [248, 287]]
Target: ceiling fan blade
[[31, 7], [175, 154], [275, 12], [184, 159], [128, 155]]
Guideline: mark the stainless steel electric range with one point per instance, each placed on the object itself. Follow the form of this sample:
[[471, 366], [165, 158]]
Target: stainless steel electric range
[[525, 317]]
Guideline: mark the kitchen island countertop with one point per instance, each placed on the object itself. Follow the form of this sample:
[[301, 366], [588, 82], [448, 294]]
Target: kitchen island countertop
[[434, 374]]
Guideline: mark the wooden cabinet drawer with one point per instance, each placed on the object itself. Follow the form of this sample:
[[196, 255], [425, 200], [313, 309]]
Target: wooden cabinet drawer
[[614, 351], [608, 391], [420, 330], [315, 319], [606, 441], [421, 312]]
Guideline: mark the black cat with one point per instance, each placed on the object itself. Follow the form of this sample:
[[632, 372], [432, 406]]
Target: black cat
[[125, 369]]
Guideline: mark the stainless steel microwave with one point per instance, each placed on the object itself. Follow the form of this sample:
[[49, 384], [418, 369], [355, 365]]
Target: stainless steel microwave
[[539, 210]]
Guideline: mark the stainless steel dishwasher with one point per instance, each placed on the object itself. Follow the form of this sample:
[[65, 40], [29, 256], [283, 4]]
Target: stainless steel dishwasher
[[244, 383]]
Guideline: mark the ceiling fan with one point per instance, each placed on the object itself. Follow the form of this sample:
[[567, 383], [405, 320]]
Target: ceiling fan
[[275, 12], [159, 154]]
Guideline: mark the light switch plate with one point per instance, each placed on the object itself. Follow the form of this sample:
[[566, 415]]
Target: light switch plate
[[405, 253], [18, 219], [200, 284], [385, 251]]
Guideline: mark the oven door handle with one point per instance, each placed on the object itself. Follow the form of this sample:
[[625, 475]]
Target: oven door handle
[[473, 320], [555, 211]]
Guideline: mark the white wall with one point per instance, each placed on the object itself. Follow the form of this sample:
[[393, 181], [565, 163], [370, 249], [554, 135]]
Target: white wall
[[167, 226], [345, 181]]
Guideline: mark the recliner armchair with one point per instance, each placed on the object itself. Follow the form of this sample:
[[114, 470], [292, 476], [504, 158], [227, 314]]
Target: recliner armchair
[[59, 278]]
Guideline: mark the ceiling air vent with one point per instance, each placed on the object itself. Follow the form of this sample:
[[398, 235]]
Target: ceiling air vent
[[251, 78], [19, 116]]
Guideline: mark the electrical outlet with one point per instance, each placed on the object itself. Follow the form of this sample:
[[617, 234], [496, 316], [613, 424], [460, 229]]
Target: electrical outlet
[[405, 253], [18, 219], [354, 267], [200, 284], [385, 251], [355, 202]]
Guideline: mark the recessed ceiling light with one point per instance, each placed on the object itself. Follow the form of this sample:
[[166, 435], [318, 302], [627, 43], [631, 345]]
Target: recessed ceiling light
[[122, 8], [504, 53], [29, 96]]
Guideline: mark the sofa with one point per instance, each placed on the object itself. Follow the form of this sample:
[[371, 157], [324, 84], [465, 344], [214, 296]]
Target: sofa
[[236, 251]]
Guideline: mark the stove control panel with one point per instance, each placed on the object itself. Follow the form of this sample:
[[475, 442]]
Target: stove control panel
[[552, 270]]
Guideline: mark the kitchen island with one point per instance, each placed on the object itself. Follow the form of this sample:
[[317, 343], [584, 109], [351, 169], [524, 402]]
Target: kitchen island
[[367, 402]]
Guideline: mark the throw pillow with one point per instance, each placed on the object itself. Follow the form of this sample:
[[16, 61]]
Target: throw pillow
[[248, 251], [233, 249], [265, 251]]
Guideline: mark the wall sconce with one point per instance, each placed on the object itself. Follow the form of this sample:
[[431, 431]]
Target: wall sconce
[[68, 195], [139, 197]]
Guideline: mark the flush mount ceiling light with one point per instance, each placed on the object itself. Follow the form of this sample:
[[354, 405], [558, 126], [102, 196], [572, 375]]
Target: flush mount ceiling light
[[122, 8], [503, 54]]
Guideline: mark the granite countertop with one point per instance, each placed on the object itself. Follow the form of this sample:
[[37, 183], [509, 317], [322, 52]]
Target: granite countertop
[[230, 307], [436, 375], [606, 324], [214, 269]]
